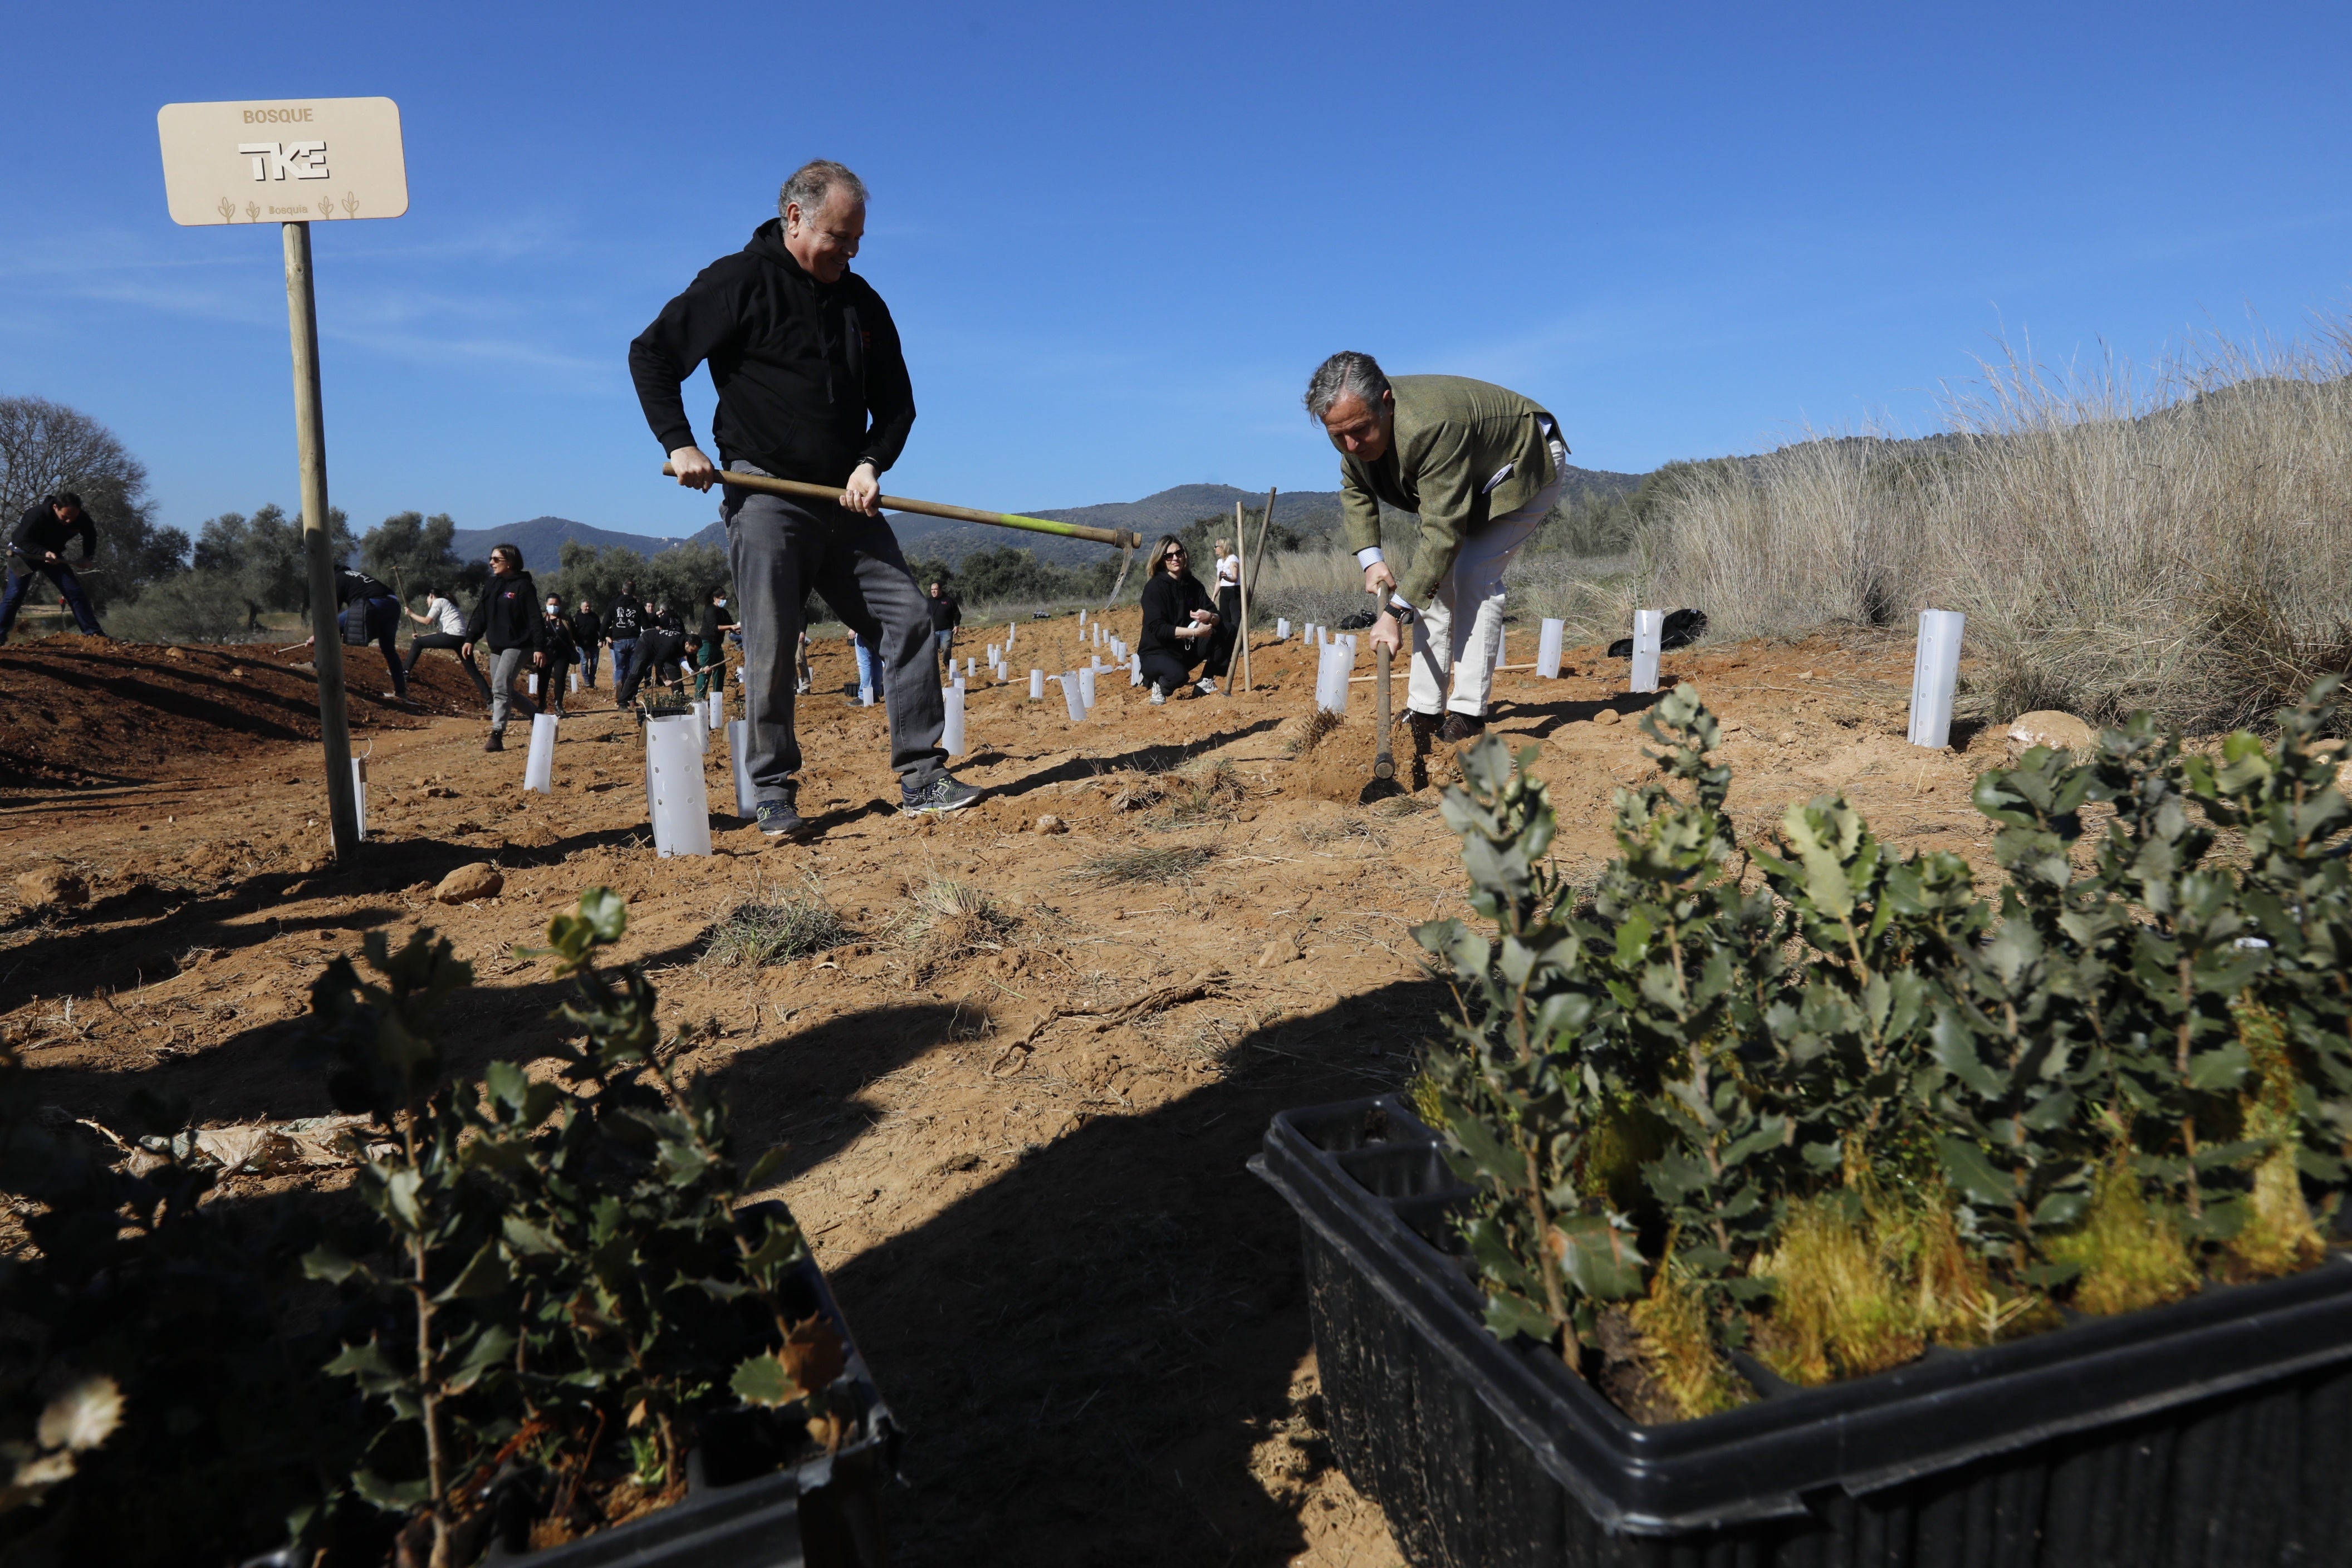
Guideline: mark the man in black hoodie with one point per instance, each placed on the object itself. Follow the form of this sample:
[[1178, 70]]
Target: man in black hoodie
[[39, 546], [812, 387], [508, 616], [369, 613]]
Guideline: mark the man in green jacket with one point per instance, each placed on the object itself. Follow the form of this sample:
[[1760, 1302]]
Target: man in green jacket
[[1481, 466]]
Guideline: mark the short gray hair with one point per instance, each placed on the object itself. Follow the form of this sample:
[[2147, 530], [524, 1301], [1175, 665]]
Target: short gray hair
[[1344, 373], [813, 181]]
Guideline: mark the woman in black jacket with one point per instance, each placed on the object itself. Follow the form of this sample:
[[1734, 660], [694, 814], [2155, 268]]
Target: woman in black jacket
[[1178, 621], [506, 616]]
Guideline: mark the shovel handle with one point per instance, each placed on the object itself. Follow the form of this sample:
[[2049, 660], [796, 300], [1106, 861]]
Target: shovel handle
[[1384, 759], [802, 490]]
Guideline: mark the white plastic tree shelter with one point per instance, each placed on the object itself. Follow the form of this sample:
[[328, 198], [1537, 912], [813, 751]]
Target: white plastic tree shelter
[[1087, 687], [1649, 628], [1934, 672], [1037, 686], [576, 680], [1135, 670], [331, 160], [717, 706], [1282, 628], [539, 767], [738, 751], [951, 735], [1548, 649], [359, 795], [676, 796], [1070, 697]]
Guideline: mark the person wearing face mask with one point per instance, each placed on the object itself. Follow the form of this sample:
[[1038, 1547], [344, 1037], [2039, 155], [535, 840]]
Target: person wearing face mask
[[711, 648], [813, 387], [562, 653]]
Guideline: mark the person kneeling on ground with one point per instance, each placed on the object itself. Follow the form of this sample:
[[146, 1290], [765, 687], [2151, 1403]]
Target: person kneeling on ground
[[38, 545], [508, 615], [1480, 466], [813, 387], [1178, 623], [449, 631], [562, 653], [369, 613]]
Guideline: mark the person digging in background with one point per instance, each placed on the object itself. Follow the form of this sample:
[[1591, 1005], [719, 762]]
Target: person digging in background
[[562, 653], [712, 650], [623, 624], [658, 655], [812, 387], [947, 614], [369, 613], [1481, 465], [38, 545], [448, 623], [1177, 624], [508, 615], [587, 630]]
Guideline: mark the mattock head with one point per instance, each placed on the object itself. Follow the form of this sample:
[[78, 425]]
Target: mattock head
[[1128, 544]]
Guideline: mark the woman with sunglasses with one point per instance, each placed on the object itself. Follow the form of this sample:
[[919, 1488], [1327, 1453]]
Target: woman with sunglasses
[[1178, 622]]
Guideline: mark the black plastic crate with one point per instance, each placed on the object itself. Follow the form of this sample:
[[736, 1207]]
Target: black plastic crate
[[2213, 1432]]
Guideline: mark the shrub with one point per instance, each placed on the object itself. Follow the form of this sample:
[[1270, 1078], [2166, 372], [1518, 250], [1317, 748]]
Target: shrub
[[1814, 1100]]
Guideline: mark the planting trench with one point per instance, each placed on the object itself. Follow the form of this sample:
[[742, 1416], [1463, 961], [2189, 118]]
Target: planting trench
[[1018, 1145]]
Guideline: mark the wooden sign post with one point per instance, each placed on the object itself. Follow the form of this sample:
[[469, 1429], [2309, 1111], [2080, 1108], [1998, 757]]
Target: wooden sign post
[[284, 161]]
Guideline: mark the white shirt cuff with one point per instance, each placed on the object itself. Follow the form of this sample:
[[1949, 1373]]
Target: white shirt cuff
[[1366, 555]]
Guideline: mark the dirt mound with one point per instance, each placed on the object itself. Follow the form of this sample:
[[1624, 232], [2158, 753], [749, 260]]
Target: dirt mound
[[82, 711], [1336, 763]]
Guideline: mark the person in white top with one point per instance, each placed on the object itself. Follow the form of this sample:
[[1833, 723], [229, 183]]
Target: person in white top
[[449, 631], [1229, 611]]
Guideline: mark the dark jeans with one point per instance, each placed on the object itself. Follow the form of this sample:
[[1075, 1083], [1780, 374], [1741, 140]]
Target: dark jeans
[[68, 584], [588, 665], [639, 668], [1229, 625], [781, 551], [377, 621], [1166, 671], [554, 682], [454, 643], [625, 652]]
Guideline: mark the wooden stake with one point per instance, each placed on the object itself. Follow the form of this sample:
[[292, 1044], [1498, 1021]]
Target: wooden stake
[[1249, 575], [310, 446]]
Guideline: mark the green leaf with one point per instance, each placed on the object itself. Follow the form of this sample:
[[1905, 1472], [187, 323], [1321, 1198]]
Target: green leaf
[[2223, 1068], [762, 1380], [1600, 1260], [485, 1274], [392, 1496], [763, 1169], [327, 1264], [1508, 1314], [606, 912], [1970, 1170]]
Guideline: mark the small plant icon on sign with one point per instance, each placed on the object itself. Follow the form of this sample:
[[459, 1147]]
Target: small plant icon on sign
[[253, 211], [227, 209], [326, 206], [350, 204]]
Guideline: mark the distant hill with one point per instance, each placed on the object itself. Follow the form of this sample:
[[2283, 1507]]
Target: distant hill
[[541, 539]]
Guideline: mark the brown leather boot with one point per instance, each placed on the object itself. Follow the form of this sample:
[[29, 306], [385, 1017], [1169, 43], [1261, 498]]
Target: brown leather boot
[[496, 743]]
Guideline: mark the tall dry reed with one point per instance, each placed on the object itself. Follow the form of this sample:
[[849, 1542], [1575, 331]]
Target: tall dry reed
[[2176, 539]]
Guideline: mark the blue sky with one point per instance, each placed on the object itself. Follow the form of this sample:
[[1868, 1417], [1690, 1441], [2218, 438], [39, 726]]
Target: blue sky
[[1117, 238]]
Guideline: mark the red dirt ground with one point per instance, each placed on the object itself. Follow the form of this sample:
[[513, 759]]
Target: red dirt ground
[[1018, 1142]]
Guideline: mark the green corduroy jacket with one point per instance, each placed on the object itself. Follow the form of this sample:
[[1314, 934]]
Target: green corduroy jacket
[[1452, 434]]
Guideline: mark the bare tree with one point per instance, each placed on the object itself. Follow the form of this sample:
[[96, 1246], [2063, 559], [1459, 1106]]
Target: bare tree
[[46, 448]]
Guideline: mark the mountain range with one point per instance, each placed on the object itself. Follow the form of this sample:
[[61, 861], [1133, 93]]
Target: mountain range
[[1311, 513]]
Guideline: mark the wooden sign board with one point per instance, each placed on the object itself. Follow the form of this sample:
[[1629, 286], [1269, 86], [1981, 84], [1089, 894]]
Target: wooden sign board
[[291, 160]]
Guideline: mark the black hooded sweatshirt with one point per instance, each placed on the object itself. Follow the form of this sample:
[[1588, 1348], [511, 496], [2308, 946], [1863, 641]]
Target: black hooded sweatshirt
[[507, 614], [40, 531], [799, 365], [351, 584]]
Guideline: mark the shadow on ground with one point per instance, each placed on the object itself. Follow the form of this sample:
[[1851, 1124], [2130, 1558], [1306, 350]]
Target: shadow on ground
[[1086, 1350]]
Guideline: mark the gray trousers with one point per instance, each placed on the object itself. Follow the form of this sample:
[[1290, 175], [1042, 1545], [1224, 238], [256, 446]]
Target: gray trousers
[[507, 667], [781, 551]]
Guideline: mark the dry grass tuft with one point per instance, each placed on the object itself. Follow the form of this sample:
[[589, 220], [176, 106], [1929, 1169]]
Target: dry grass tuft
[[1680, 1351], [2172, 538], [1319, 724], [764, 928], [2132, 1256], [945, 920], [1126, 867]]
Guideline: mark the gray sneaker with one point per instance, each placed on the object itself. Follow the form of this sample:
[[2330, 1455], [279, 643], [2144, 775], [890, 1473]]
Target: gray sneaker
[[778, 820], [939, 794]]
